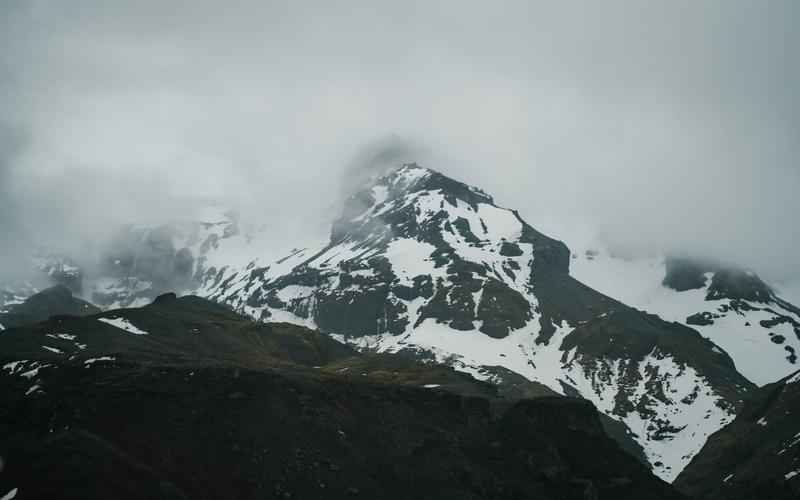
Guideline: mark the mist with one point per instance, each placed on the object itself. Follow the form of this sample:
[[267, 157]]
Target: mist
[[653, 126]]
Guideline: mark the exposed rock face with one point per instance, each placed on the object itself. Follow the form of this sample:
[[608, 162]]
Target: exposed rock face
[[735, 284], [683, 273], [185, 399], [419, 262], [757, 455]]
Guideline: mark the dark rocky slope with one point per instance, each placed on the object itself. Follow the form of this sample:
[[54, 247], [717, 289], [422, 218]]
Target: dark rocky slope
[[185, 399]]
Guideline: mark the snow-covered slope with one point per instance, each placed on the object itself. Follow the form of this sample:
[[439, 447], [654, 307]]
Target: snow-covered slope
[[422, 263], [733, 308], [757, 455]]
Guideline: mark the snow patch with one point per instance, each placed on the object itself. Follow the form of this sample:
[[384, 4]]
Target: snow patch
[[412, 258], [62, 336], [123, 324], [92, 361], [294, 292], [795, 441], [500, 223], [32, 373], [10, 495]]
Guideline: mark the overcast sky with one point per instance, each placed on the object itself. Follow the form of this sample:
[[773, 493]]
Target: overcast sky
[[670, 125]]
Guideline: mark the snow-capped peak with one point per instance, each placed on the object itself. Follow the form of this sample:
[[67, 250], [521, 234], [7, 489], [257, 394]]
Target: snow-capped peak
[[423, 263]]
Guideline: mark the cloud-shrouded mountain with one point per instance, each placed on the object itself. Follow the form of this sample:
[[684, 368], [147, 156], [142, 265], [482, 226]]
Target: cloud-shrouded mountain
[[422, 264]]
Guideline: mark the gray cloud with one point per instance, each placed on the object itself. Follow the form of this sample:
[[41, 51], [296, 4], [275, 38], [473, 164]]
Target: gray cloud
[[666, 126]]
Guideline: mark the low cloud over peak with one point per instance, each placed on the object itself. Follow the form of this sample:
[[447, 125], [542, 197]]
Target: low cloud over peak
[[664, 126]]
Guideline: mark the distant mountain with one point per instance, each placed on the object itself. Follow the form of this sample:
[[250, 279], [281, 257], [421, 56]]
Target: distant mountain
[[57, 300], [757, 455], [184, 398], [141, 263], [732, 307]]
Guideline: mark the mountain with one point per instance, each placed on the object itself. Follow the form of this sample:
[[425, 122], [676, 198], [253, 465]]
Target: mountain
[[732, 307], [57, 300], [755, 456], [422, 264], [184, 398]]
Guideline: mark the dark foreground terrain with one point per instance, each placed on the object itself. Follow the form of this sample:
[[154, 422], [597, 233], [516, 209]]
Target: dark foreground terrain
[[201, 403]]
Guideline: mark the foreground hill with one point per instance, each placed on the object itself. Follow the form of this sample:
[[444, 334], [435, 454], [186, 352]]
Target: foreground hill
[[186, 399]]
